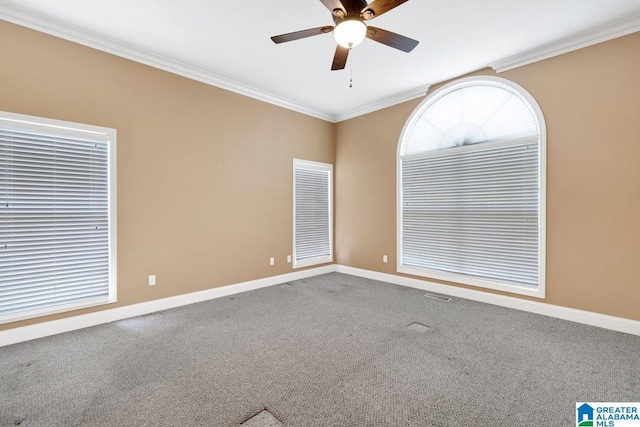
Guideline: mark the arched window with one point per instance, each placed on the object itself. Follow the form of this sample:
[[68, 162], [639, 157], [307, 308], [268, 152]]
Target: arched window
[[471, 187]]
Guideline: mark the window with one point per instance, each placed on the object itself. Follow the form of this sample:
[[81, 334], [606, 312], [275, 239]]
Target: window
[[471, 196], [57, 216], [312, 213]]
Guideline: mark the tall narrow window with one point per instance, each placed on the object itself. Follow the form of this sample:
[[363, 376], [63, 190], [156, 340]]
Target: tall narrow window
[[57, 216], [312, 213], [471, 167]]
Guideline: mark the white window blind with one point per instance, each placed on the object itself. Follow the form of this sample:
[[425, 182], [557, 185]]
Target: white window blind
[[471, 186], [313, 228], [473, 211], [55, 228]]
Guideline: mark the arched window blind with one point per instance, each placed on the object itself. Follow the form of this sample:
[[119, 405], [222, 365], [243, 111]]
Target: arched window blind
[[471, 181], [56, 216]]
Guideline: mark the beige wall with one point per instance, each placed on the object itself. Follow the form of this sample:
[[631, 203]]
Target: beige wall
[[591, 102], [204, 175]]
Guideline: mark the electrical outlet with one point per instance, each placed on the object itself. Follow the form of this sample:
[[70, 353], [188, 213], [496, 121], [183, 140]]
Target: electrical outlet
[[384, 258], [152, 280], [272, 261], [289, 259]]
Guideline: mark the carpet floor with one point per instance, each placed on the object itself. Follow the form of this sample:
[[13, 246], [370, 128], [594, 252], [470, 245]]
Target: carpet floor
[[333, 350]]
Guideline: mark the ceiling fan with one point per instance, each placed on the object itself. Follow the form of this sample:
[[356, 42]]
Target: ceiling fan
[[350, 29]]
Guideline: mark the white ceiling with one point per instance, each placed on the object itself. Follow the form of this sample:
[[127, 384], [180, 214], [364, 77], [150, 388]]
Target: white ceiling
[[227, 43]]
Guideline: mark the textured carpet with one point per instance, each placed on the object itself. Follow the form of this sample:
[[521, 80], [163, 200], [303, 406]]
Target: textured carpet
[[334, 350]]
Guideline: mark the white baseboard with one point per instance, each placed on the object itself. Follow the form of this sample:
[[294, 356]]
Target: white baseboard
[[54, 327], [40, 330], [588, 318]]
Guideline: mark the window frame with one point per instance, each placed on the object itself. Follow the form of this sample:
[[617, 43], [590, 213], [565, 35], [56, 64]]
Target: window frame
[[72, 129], [308, 164], [456, 278]]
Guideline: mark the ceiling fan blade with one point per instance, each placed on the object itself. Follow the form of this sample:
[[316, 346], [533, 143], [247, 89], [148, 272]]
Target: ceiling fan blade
[[301, 34], [394, 40], [340, 58], [379, 7], [333, 5]]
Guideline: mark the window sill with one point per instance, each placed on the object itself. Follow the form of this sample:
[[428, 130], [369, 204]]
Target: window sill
[[312, 261], [512, 288], [26, 315]]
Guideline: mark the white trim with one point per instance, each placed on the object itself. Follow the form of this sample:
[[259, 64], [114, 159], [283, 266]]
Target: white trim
[[54, 27], [569, 44], [380, 104], [62, 127], [40, 330], [472, 281], [310, 262], [518, 90], [310, 164], [113, 216], [571, 314], [57, 309]]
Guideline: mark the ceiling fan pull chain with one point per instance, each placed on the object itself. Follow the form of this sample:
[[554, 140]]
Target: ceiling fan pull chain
[[350, 69]]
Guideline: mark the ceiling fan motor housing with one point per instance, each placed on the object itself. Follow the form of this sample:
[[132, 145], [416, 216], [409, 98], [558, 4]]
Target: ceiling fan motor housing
[[353, 11]]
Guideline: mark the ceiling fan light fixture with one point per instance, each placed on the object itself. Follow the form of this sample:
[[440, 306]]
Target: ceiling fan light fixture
[[350, 33]]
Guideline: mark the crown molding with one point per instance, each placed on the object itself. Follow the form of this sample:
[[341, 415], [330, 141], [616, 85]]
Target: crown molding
[[384, 103], [56, 28], [569, 44]]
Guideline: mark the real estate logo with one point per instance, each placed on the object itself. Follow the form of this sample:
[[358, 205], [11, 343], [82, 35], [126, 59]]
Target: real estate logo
[[585, 415], [608, 414]]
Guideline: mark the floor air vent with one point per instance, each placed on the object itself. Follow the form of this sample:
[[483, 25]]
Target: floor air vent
[[418, 327], [263, 419], [438, 297]]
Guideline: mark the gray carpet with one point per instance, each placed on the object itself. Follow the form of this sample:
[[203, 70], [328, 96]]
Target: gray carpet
[[334, 350]]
